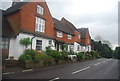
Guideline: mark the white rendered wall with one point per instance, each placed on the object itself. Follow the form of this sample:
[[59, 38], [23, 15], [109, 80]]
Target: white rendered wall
[[16, 49]]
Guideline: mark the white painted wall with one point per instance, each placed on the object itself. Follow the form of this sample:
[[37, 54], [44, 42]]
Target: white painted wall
[[16, 49], [76, 47]]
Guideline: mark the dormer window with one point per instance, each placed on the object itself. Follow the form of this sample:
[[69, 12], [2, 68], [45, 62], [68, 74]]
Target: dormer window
[[59, 34], [69, 37], [40, 25], [40, 9]]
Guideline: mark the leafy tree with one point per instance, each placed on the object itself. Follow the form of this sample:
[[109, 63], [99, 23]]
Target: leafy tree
[[117, 53], [64, 47], [25, 41], [103, 49]]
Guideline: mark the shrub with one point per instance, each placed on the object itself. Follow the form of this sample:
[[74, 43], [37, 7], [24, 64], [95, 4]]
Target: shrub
[[88, 56], [37, 58], [80, 56], [25, 57], [47, 60], [64, 56], [25, 41], [56, 55], [48, 50], [94, 54]]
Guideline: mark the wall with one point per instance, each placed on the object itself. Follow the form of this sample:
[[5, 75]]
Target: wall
[[64, 38], [28, 15], [16, 49]]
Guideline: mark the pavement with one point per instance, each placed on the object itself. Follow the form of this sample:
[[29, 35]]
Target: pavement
[[93, 69]]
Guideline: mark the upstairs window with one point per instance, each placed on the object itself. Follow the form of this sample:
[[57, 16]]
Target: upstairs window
[[69, 37], [40, 25], [38, 44], [40, 9], [79, 36], [59, 34]]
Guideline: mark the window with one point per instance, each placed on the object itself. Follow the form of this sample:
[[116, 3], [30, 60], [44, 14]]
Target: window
[[69, 37], [59, 34], [40, 9], [50, 42], [38, 44], [79, 36], [78, 48], [40, 25], [71, 47], [5, 43]]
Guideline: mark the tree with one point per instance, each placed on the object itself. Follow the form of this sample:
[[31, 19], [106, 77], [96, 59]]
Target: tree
[[25, 41], [117, 53], [103, 49], [64, 47]]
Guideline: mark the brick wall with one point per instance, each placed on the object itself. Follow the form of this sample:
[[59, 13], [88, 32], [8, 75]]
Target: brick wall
[[28, 15]]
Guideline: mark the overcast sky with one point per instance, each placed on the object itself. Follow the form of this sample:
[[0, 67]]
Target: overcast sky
[[100, 16]]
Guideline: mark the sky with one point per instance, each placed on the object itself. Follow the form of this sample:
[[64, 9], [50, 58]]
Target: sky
[[100, 16]]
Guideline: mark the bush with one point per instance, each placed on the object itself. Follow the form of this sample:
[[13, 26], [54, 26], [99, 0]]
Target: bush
[[88, 56], [25, 57], [94, 54], [64, 56], [56, 55], [37, 58], [30, 52], [31, 55], [47, 60], [80, 56], [25, 41]]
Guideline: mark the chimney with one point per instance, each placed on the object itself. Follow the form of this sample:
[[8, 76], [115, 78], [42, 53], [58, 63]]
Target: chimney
[[14, 2]]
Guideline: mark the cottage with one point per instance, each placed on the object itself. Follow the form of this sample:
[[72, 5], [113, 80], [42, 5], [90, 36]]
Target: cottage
[[34, 20]]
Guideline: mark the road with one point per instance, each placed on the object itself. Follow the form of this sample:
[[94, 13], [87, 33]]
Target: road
[[93, 69]]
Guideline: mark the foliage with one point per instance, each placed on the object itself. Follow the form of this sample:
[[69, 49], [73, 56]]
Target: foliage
[[103, 49], [64, 55], [25, 41], [30, 52], [56, 55], [47, 60], [37, 58], [64, 47], [48, 50], [117, 53], [94, 54], [80, 56], [32, 55], [25, 57]]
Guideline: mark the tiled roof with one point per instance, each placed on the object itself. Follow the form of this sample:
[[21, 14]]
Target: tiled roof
[[7, 30], [62, 27], [69, 24], [82, 44], [15, 7], [83, 32]]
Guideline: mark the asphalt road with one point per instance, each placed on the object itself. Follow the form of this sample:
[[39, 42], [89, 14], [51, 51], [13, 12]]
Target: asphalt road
[[93, 69]]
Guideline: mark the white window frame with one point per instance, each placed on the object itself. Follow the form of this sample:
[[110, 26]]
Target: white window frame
[[59, 34], [50, 42], [71, 47], [79, 36], [40, 9], [40, 25], [39, 44], [78, 47], [69, 37]]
